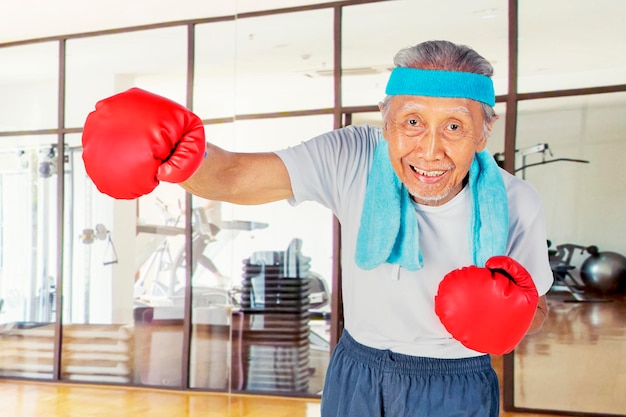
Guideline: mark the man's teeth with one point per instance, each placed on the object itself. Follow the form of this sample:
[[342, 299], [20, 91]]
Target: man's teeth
[[428, 173]]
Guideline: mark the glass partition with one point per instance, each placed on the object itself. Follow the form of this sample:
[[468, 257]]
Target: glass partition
[[571, 149], [373, 33], [29, 167], [278, 72], [245, 262], [214, 78], [29, 83], [585, 49], [120, 292], [123, 301], [101, 66], [159, 303]]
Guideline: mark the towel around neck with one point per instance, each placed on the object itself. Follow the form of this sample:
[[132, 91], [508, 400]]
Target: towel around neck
[[389, 232]]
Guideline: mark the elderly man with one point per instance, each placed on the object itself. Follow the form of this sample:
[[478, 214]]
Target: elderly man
[[444, 254]]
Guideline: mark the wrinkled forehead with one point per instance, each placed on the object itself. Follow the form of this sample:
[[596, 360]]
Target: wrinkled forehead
[[421, 107]]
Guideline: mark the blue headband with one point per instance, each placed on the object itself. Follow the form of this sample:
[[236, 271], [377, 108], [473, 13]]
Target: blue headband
[[437, 83]]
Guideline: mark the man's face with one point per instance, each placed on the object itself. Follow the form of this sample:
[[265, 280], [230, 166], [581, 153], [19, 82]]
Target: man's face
[[432, 142]]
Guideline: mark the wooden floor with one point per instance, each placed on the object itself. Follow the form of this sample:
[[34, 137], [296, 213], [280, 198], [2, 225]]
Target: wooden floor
[[25, 399], [577, 361], [41, 399]]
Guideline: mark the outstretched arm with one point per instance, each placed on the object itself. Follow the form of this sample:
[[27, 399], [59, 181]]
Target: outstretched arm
[[240, 178], [135, 139]]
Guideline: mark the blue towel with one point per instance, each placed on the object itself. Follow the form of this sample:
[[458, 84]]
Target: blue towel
[[389, 232]]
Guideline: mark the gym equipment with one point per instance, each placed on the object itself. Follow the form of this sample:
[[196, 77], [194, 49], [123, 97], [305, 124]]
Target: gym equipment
[[603, 272], [561, 265], [275, 302], [541, 148], [163, 273], [100, 232]]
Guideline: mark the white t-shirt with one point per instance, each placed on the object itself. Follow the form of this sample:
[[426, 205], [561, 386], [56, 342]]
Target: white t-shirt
[[390, 307]]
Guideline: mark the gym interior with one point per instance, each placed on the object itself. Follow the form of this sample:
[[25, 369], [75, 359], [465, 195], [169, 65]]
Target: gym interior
[[167, 304]]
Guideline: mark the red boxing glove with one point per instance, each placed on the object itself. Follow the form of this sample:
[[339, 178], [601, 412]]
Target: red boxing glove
[[135, 139], [488, 309]]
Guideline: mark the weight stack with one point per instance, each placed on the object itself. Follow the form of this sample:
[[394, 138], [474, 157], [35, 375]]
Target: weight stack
[[275, 302]]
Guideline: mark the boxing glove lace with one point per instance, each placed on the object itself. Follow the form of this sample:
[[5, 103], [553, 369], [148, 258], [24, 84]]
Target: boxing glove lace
[[488, 309], [135, 139]]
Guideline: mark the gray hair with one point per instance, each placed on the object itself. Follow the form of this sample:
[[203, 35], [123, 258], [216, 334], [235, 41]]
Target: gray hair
[[443, 55]]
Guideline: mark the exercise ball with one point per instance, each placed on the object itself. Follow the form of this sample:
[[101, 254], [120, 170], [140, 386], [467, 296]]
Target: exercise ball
[[603, 272]]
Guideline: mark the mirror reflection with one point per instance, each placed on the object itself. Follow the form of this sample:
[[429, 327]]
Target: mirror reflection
[[570, 150], [28, 277]]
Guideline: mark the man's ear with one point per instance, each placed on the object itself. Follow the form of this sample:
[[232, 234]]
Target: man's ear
[[490, 125], [482, 143], [381, 108]]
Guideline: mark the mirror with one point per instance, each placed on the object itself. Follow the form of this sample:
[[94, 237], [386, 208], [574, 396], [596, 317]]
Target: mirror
[[576, 363]]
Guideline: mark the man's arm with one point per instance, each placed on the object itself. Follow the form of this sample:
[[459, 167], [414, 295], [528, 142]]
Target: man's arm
[[135, 139], [540, 315], [240, 178]]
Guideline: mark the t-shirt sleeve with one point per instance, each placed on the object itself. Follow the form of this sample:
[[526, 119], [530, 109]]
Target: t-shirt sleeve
[[528, 242], [326, 168]]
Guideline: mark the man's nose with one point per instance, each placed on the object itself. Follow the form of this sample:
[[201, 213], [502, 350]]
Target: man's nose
[[429, 145]]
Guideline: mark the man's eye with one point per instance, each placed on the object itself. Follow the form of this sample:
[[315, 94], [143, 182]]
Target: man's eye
[[413, 122], [454, 126]]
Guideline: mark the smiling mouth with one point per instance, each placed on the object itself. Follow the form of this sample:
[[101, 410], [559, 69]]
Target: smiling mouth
[[427, 173]]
